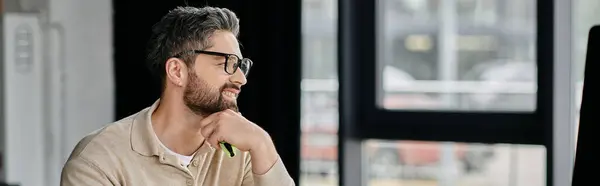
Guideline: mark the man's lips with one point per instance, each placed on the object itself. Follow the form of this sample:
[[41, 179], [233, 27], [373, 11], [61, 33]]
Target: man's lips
[[232, 90]]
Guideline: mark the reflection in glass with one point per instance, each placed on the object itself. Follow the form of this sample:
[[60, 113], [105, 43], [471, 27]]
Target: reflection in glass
[[476, 55], [418, 163]]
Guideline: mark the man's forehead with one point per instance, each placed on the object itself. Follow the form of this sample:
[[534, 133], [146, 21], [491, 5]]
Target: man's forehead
[[225, 42]]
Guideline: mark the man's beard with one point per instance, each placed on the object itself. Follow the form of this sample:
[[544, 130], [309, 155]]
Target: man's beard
[[204, 100]]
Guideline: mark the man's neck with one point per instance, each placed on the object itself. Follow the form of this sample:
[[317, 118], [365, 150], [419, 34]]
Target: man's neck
[[177, 127]]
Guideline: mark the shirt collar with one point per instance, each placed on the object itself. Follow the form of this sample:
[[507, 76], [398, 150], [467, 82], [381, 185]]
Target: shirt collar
[[143, 138]]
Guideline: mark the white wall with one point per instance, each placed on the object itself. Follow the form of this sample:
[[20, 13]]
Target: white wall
[[77, 40], [89, 66]]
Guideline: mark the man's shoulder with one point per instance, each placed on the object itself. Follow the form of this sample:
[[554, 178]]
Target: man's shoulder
[[110, 139]]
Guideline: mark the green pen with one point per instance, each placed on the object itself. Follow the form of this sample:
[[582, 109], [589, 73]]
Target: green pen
[[228, 148]]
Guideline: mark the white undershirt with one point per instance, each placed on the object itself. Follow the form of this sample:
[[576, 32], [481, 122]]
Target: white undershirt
[[183, 159]]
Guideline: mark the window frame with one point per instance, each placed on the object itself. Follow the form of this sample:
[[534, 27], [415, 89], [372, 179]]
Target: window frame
[[466, 126], [362, 119]]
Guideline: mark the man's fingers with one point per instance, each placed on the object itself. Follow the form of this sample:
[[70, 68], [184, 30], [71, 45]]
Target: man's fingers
[[208, 130], [210, 127], [214, 141], [211, 134]]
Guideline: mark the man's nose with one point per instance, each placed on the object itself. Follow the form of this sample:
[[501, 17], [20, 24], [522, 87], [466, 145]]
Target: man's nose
[[238, 78]]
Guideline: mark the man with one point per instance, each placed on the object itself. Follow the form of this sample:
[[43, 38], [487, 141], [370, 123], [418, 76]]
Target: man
[[176, 141]]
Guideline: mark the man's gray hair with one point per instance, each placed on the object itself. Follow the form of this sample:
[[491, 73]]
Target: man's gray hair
[[184, 29]]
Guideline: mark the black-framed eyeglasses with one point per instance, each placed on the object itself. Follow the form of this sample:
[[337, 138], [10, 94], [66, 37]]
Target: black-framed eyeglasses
[[232, 61]]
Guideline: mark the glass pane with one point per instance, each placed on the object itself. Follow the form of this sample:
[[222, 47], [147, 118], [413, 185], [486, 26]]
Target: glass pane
[[471, 55], [319, 93], [418, 163], [584, 17]]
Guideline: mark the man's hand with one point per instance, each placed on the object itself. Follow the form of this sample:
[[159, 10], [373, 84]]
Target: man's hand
[[231, 127]]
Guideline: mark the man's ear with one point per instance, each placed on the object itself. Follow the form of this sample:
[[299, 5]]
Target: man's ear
[[176, 71]]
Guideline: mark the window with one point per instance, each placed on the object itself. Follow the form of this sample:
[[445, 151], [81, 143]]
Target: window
[[476, 55], [464, 57], [464, 68], [433, 92], [445, 92]]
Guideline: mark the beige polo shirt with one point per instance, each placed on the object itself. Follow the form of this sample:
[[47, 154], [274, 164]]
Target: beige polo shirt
[[128, 153]]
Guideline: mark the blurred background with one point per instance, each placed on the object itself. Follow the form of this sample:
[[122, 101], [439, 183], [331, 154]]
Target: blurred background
[[71, 66]]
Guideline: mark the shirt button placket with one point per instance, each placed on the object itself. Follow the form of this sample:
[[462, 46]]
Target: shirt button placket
[[190, 182]]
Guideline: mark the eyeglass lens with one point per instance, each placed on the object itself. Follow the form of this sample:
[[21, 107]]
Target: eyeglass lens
[[233, 63]]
